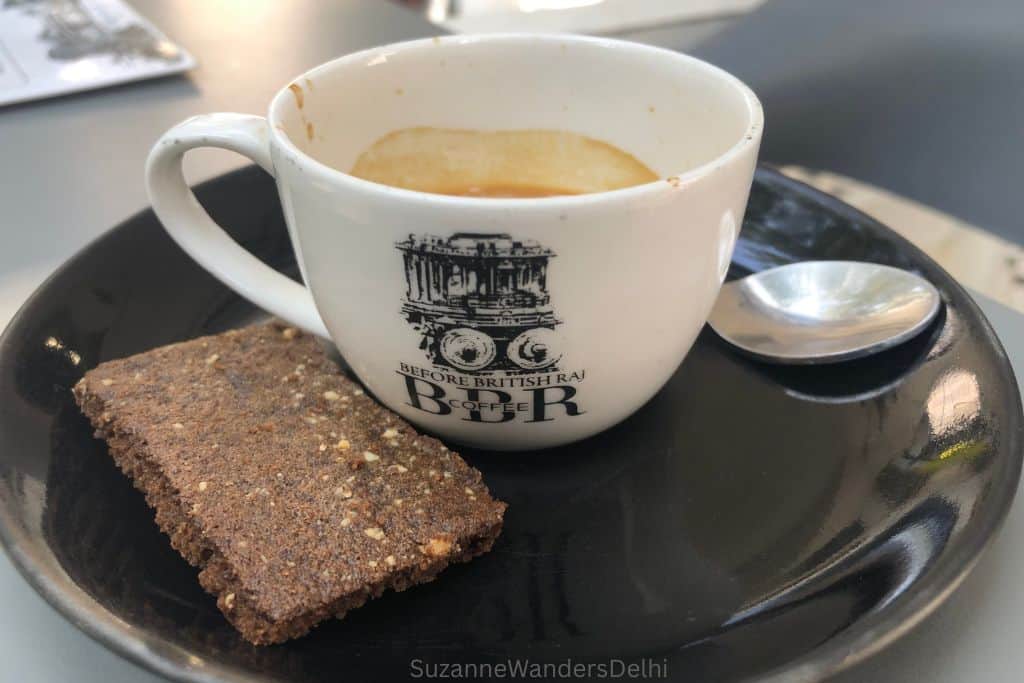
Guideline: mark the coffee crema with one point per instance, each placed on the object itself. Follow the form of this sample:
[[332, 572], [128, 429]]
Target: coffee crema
[[501, 163]]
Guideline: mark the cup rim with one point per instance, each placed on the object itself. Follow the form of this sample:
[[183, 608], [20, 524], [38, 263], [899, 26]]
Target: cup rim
[[751, 137]]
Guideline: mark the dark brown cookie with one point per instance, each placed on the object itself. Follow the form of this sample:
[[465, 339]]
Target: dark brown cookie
[[297, 495]]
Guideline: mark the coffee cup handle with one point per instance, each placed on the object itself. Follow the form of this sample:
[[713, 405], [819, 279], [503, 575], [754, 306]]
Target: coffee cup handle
[[205, 241]]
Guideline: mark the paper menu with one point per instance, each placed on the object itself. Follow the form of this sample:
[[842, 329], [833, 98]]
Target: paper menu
[[52, 47]]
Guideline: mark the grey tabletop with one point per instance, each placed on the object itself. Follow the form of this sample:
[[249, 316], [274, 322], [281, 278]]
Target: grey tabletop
[[920, 97], [71, 168]]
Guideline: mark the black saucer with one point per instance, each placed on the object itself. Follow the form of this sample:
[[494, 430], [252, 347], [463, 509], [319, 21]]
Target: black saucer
[[751, 520]]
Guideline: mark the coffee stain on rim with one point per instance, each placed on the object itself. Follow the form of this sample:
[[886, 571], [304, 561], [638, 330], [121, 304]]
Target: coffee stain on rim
[[309, 131], [673, 180], [299, 95]]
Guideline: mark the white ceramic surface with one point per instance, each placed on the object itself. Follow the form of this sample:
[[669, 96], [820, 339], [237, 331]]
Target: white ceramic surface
[[502, 323]]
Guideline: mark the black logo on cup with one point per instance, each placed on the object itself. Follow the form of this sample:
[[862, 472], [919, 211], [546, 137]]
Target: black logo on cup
[[480, 303], [481, 306]]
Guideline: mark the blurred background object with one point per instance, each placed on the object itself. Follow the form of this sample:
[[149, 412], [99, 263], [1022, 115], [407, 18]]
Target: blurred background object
[[688, 21], [56, 47]]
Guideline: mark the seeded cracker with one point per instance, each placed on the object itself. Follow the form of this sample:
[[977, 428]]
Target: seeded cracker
[[296, 495]]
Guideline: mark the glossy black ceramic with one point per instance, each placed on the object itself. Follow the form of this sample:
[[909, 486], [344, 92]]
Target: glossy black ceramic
[[751, 520]]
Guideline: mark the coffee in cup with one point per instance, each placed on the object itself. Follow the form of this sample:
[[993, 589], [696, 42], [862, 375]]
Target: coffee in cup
[[499, 163]]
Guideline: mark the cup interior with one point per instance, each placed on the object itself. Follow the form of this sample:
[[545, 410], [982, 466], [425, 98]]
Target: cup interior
[[673, 112]]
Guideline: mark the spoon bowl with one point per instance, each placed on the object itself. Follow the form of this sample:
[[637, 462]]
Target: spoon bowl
[[823, 311]]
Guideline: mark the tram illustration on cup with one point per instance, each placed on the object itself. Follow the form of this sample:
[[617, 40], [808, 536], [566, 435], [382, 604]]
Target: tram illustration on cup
[[481, 303]]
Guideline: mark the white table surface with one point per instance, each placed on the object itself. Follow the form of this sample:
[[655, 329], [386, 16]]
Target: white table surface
[[71, 168]]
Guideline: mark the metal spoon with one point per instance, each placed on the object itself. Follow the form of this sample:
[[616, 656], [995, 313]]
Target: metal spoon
[[823, 311]]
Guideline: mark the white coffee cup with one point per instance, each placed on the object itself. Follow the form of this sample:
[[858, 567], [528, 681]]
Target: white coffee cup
[[499, 323]]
